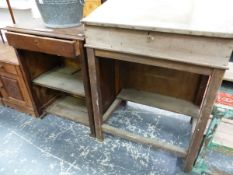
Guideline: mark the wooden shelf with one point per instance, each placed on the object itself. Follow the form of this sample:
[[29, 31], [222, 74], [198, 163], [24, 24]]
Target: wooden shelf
[[71, 108], [63, 79], [160, 101]]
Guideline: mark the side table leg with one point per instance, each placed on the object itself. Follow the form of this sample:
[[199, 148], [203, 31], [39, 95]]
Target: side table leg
[[214, 83], [93, 66]]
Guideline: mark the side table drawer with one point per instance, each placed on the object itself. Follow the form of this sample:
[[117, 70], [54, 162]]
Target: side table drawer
[[60, 47], [7, 68]]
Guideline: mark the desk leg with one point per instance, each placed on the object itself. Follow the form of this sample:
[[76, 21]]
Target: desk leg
[[93, 66], [87, 88], [214, 82]]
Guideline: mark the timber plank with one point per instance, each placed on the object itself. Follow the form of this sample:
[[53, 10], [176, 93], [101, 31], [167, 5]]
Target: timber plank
[[155, 142], [110, 110], [64, 79], [71, 108], [160, 101]]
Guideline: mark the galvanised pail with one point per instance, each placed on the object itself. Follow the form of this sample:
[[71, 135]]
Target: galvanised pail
[[61, 13]]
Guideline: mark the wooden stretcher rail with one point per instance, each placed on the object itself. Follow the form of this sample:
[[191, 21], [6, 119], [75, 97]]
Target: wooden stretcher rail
[[111, 109], [155, 142]]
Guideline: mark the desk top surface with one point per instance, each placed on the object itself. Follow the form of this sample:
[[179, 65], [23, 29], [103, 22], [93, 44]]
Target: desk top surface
[[38, 28], [212, 18], [7, 54]]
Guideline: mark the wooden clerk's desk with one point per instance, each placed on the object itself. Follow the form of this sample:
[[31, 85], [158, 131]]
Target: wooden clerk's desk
[[54, 66], [157, 55]]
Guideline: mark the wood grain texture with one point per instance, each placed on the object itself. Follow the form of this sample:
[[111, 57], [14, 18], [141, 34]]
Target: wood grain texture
[[180, 16], [63, 79], [37, 63], [107, 77], [87, 88], [203, 80], [111, 109], [159, 101], [7, 54], [71, 108], [37, 27], [8, 68], [153, 62], [155, 142], [214, 83], [94, 72], [32, 65], [11, 89], [42, 44], [211, 52], [168, 82]]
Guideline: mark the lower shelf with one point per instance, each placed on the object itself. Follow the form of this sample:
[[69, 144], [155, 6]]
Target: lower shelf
[[71, 108], [160, 101]]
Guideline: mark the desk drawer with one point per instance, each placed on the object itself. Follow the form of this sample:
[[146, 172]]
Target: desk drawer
[[7, 68], [60, 47]]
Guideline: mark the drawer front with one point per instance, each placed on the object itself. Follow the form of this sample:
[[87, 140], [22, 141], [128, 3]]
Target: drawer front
[[47, 45], [7, 68]]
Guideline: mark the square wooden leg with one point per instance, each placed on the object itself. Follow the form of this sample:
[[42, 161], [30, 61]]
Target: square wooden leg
[[214, 83], [87, 88], [93, 63]]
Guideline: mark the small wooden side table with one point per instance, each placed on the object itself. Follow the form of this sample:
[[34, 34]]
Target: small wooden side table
[[55, 67], [165, 60], [14, 92]]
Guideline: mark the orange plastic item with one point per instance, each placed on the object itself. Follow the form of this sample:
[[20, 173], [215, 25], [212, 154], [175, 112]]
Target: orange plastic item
[[90, 5], [224, 99]]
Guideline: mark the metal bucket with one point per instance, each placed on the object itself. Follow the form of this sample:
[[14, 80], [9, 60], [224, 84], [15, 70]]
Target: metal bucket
[[61, 13]]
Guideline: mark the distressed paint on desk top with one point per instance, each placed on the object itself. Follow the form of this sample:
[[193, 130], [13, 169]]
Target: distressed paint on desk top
[[38, 28], [212, 18]]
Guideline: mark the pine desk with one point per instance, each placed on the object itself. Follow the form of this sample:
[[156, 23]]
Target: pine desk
[[167, 54]]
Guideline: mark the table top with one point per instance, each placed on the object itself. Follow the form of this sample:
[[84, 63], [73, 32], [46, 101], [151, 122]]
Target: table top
[[212, 18], [7, 54], [38, 28]]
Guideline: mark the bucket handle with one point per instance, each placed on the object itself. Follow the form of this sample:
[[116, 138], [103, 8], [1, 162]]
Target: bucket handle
[[82, 2]]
